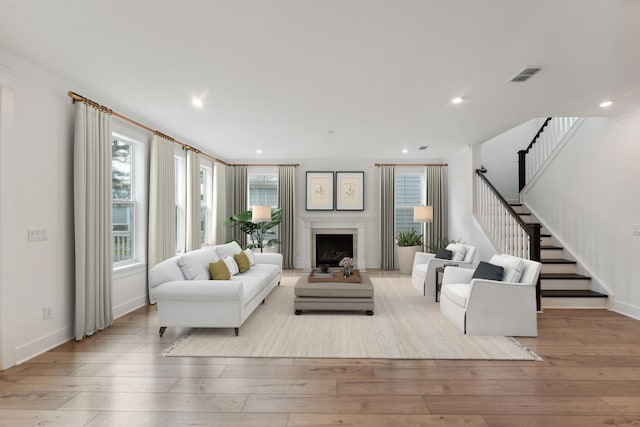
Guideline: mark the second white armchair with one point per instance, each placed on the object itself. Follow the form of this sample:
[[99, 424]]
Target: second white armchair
[[423, 276]]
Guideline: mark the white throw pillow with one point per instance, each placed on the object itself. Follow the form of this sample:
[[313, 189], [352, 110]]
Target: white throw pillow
[[459, 251], [195, 264], [252, 259], [228, 249], [231, 265], [513, 268]]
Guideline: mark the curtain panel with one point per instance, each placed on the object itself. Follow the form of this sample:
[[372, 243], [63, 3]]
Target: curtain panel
[[162, 203], [193, 240], [436, 196], [387, 216], [219, 203], [239, 203], [286, 201], [92, 176]]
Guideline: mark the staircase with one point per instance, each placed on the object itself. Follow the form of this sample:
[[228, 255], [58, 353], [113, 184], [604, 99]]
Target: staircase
[[561, 286]]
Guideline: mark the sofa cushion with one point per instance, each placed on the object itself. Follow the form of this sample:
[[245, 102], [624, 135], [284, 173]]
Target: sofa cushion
[[249, 254], [243, 261], [487, 271], [219, 270], [459, 251], [266, 271], [513, 267], [444, 254], [195, 264], [457, 292], [228, 249], [231, 265]]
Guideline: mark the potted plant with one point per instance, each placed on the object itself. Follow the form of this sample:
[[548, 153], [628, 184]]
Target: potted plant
[[409, 242], [257, 231]]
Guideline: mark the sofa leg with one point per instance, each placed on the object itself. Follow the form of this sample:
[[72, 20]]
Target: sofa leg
[[236, 331], [263, 301], [161, 331]]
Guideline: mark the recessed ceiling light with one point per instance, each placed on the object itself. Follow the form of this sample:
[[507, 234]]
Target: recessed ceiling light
[[456, 100], [197, 102], [405, 151], [259, 151], [605, 104]]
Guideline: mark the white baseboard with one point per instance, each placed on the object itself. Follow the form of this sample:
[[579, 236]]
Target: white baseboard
[[43, 344], [626, 309], [129, 306]]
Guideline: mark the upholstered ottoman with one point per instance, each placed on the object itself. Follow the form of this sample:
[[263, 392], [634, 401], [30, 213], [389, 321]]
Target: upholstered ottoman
[[333, 296]]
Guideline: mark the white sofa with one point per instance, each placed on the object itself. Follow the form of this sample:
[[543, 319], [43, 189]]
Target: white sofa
[[186, 295], [491, 307], [423, 276]]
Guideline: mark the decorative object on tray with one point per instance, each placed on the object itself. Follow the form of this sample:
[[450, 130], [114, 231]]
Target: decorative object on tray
[[347, 264], [335, 275], [324, 268]]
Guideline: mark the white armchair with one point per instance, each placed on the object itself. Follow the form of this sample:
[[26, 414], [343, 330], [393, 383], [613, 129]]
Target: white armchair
[[490, 307], [423, 275]]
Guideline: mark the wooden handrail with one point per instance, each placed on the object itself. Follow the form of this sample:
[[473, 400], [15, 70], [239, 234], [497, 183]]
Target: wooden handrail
[[522, 155], [535, 138], [506, 204]]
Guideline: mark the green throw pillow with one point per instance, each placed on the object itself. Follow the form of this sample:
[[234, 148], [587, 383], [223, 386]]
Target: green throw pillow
[[243, 261], [219, 270]]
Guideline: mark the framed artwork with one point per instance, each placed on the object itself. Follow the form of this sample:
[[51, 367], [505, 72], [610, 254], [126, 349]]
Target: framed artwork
[[320, 192], [350, 191]]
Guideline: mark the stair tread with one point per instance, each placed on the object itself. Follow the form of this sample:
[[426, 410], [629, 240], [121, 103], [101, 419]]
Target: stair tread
[[571, 293], [563, 276], [550, 247], [557, 261], [545, 235], [515, 204]]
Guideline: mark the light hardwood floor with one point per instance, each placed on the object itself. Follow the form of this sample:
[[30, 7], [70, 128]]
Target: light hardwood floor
[[590, 376]]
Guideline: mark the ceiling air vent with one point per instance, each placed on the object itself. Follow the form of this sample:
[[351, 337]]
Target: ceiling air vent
[[423, 147], [525, 74]]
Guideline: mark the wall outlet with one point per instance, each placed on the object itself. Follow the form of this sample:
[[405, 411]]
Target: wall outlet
[[37, 234], [47, 313], [635, 229]]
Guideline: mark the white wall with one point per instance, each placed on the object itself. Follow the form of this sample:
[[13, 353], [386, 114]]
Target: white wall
[[500, 157], [588, 198], [36, 153], [370, 214], [462, 224]]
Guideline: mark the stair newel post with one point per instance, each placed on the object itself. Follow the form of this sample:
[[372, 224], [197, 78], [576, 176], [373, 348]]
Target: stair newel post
[[534, 254], [522, 177]]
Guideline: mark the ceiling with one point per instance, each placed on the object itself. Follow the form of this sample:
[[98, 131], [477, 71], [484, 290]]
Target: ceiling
[[303, 79]]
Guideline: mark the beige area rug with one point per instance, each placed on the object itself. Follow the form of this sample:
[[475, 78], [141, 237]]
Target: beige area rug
[[405, 325]]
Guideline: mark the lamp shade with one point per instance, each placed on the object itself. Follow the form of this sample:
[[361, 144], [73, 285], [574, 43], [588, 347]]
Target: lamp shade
[[261, 213], [423, 213]]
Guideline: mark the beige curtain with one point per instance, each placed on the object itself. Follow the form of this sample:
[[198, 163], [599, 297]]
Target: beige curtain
[[436, 196], [219, 203], [387, 216], [286, 201], [193, 240], [92, 220], [162, 202], [239, 203]]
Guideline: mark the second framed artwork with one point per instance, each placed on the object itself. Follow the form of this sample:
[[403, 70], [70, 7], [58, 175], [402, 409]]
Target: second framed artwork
[[349, 191]]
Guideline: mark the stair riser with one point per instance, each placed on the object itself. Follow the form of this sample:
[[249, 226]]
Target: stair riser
[[546, 241], [559, 268], [519, 209], [574, 302], [551, 253], [560, 284]]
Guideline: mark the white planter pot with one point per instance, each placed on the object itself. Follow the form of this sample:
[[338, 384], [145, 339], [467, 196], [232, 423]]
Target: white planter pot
[[406, 254]]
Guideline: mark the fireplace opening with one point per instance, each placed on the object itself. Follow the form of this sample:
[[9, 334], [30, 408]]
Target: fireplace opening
[[331, 248]]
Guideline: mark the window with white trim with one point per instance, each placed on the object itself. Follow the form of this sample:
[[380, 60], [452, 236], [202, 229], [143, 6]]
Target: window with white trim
[[263, 190], [127, 190], [409, 193], [206, 204], [181, 203]]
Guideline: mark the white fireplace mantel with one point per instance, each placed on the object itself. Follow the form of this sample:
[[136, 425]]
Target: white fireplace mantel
[[316, 223]]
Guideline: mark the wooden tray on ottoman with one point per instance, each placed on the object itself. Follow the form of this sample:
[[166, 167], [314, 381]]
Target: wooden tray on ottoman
[[337, 276]]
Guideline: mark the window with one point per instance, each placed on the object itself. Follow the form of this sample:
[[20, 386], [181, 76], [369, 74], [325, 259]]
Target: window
[[409, 193], [123, 191], [263, 190]]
